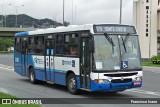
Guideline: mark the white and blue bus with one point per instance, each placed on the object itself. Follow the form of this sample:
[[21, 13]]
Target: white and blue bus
[[92, 57]]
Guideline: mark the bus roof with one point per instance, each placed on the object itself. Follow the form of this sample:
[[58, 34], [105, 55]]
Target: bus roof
[[57, 30], [70, 28]]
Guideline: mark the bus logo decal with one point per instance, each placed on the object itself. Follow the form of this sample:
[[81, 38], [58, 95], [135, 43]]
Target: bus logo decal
[[47, 51], [52, 51], [38, 60], [125, 64], [122, 79], [71, 63], [16, 59]]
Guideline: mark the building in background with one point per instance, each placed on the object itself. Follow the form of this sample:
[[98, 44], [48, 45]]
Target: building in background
[[146, 18]]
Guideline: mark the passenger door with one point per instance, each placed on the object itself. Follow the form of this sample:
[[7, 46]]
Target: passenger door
[[24, 57], [49, 59], [85, 63]]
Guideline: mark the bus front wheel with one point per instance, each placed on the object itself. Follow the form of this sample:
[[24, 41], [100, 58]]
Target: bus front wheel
[[72, 84], [32, 76]]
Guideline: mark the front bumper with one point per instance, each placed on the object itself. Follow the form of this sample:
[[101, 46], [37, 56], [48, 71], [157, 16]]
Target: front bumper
[[111, 87]]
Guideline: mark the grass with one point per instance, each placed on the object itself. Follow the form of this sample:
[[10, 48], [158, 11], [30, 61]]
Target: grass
[[3, 95], [149, 63], [6, 52]]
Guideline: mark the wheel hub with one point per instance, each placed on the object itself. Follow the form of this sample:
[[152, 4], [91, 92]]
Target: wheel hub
[[72, 83], [32, 78]]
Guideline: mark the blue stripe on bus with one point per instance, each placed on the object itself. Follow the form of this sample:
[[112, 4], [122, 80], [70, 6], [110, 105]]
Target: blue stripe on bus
[[22, 34], [111, 87]]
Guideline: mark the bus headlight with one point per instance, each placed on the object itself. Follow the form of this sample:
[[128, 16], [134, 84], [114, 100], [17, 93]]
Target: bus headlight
[[139, 78], [101, 81]]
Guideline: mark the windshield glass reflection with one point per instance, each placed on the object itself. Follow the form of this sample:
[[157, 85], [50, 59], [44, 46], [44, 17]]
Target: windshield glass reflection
[[106, 54], [116, 52], [130, 52]]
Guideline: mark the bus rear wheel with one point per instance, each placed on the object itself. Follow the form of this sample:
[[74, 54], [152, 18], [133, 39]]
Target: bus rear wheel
[[32, 76], [72, 84]]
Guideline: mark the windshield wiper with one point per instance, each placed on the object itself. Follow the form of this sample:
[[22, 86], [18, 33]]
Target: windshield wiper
[[126, 38], [124, 41], [110, 41], [124, 45]]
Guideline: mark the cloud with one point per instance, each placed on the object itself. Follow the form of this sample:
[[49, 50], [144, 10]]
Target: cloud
[[87, 11]]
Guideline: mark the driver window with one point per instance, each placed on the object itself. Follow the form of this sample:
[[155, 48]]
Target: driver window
[[131, 46]]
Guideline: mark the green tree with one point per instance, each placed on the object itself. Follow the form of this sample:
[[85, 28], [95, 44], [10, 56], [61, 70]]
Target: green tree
[[6, 43]]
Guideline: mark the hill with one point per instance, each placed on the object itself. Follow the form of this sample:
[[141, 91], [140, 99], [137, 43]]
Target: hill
[[28, 21]]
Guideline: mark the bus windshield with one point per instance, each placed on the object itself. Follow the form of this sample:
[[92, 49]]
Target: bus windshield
[[116, 52]]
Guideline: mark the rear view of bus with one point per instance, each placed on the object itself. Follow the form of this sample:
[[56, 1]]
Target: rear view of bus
[[116, 58]]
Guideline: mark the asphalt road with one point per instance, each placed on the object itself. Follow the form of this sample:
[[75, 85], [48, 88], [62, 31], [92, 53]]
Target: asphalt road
[[12, 83], [7, 59]]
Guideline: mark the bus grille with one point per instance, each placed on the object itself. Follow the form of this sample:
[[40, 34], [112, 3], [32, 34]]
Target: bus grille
[[121, 81], [121, 74]]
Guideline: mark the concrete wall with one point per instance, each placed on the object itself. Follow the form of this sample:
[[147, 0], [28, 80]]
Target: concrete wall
[[10, 32], [154, 29]]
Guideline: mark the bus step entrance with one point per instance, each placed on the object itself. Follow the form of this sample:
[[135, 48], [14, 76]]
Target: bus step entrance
[[85, 82], [50, 82], [85, 89]]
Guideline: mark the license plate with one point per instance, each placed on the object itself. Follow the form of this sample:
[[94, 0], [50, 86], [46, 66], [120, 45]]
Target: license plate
[[137, 83]]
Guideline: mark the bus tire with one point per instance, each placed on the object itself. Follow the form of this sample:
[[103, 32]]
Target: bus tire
[[32, 76], [72, 84]]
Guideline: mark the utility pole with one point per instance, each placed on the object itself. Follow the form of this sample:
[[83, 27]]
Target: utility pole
[[75, 18], [16, 7], [63, 12], [5, 20], [150, 25], [120, 19], [5, 17], [2, 15], [72, 11], [75, 14], [16, 17]]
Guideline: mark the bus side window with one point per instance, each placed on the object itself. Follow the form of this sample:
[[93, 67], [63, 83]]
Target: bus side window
[[18, 45], [59, 44], [74, 44], [71, 44], [32, 45], [40, 45]]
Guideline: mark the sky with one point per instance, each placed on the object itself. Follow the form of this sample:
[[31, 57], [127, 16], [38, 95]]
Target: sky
[[81, 12]]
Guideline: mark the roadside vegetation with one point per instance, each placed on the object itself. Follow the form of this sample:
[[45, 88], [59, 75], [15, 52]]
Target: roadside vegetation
[[3, 95], [5, 44], [6, 52], [154, 61], [149, 63]]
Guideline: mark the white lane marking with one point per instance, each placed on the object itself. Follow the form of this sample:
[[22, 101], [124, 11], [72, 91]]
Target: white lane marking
[[151, 69], [6, 67], [158, 72], [144, 92], [3, 90]]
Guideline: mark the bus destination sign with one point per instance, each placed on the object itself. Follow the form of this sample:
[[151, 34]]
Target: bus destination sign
[[114, 29]]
